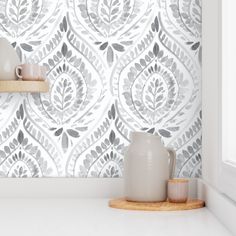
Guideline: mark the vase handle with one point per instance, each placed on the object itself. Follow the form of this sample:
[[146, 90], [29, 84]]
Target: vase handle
[[172, 156]]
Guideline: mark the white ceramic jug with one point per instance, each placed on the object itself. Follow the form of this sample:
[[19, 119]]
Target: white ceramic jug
[[8, 60], [147, 167]]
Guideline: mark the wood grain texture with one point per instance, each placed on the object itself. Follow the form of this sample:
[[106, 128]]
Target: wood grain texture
[[121, 203], [24, 86]]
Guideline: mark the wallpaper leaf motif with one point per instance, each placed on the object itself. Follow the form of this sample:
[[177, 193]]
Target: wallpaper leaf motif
[[22, 154], [106, 22], [114, 66]]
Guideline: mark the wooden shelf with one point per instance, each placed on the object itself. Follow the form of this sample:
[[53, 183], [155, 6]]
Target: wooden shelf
[[14, 86], [121, 203]]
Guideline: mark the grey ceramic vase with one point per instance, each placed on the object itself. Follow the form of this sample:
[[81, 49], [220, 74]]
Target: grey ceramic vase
[[147, 167], [8, 61]]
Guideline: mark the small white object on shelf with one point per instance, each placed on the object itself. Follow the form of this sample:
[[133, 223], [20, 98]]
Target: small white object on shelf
[[8, 60]]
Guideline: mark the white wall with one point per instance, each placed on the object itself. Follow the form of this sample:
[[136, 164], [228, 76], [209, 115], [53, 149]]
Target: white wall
[[210, 93]]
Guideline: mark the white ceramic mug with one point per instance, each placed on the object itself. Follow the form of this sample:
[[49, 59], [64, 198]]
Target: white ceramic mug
[[31, 72]]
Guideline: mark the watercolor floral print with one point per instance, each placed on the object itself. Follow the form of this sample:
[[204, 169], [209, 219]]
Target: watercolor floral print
[[114, 66]]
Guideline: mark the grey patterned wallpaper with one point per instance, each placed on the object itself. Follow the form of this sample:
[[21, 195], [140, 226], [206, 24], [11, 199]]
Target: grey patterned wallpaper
[[114, 66]]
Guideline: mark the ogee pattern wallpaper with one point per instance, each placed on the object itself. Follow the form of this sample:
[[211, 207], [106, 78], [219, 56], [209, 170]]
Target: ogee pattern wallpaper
[[114, 66]]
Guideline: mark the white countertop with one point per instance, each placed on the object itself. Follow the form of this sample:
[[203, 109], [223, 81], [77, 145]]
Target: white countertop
[[92, 217]]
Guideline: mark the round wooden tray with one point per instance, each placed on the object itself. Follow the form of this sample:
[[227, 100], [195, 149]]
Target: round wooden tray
[[121, 203]]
